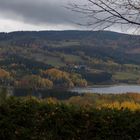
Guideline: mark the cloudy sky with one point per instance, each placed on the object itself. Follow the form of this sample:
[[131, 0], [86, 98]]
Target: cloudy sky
[[38, 15]]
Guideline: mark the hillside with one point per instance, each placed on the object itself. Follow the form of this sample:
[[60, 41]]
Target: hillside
[[95, 57]]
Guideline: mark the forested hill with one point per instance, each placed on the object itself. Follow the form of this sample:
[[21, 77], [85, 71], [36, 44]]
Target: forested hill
[[68, 34], [101, 44], [99, 56]]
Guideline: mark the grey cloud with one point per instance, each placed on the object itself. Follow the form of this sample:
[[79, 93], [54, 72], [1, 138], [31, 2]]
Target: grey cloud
[[38, 11], [44, 12]]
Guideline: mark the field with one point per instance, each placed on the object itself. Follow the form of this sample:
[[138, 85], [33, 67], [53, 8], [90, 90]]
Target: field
[[126, 76]]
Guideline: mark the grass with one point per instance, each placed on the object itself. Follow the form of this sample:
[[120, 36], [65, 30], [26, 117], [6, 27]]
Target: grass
[[72, 58], [125, 76], [54, 61]]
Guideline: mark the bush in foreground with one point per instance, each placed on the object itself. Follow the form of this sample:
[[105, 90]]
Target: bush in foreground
[[33, 119]]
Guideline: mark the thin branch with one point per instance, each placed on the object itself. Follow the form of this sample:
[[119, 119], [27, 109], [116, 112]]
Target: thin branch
[[107, 13]]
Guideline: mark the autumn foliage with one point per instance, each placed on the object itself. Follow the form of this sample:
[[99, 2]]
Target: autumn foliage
[[64, 79], [34, 81], [4, 73], [33, 119]]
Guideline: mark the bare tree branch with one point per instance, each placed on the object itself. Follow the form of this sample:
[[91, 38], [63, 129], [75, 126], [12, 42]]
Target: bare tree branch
[[107, 13]]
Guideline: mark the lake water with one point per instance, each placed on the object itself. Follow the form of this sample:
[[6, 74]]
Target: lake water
[[116, 89]]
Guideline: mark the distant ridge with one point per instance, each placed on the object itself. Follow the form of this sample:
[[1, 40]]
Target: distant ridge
[[67, 34], [102, 55], [70, 31]]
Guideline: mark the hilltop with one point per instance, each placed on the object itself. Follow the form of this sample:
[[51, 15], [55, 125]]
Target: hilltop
[[95, 57]]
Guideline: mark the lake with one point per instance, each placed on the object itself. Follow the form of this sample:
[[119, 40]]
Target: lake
[[116, 89]]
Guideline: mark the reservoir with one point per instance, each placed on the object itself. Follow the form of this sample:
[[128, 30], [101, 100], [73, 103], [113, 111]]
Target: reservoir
[[105, 89]]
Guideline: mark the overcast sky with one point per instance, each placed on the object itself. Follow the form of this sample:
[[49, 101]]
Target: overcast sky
[[38, 15]]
